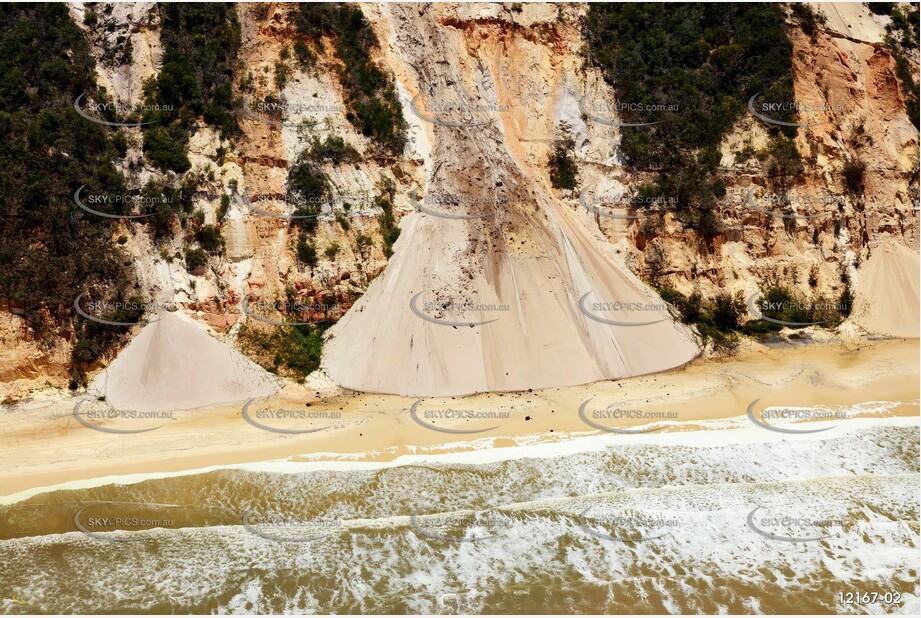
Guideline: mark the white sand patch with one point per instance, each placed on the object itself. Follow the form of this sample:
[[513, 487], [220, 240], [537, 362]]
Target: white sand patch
[[887, 294], [853, 19], [174, 364]]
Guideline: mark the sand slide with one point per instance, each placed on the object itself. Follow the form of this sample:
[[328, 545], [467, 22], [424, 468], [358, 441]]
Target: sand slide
[[887, 293], [853, 19], [496, 285], [174, 364]]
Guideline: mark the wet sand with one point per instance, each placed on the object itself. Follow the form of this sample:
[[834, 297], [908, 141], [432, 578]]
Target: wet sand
[[45, 445]]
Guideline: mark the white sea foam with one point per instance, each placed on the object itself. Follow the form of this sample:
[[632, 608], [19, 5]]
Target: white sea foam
[[386, 566]]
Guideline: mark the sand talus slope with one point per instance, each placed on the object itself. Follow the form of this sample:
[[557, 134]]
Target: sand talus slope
[[499, 290], [887, 294], [174, 364]]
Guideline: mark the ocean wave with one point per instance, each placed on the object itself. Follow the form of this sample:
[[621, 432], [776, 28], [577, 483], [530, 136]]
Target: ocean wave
[[542, 559]]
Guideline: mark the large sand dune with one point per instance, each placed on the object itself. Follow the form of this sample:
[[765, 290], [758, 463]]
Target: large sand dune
[[542, 339], [887, 294], [504, 292], [174, 364]]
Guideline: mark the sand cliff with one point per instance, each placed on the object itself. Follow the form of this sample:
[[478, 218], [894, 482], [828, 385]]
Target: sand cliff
[[483, 89]]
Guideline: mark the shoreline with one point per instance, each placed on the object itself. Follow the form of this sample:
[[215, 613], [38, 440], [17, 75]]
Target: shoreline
[[47, 448], [736, 429]]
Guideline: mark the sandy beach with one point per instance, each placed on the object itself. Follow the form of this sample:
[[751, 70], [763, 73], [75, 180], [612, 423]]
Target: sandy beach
[[46, 445]]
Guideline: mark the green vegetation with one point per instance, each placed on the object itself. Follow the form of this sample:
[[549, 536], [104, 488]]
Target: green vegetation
[[363, 242], [195, 260], [904, 26], [723, 318], [293, 351], [810, 20], [281, 75], [50, 250], [853, 173], [304, 55], [718, 320], [167, 204], [782, 162], [845, 301], [902, 39], [881, 8], [200, 43], [333, 149], [308, 181], [165, 148], [309, 184], [389, 230], [691, 68], [307, 253], [93, 339], [909, 88], [224, 208], [690, 191], [210, 239], [373, 107], [779, 303], [563, 169]]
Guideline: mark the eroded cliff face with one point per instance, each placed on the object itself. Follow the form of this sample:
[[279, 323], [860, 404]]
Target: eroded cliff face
[[485, 236], [827, 231], [489, 291]]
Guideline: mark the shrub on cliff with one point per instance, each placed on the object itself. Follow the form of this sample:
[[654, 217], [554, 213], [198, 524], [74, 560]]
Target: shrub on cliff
[[50, 250], [690, 68], [200, 43], [373, 107], [563, 169]]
